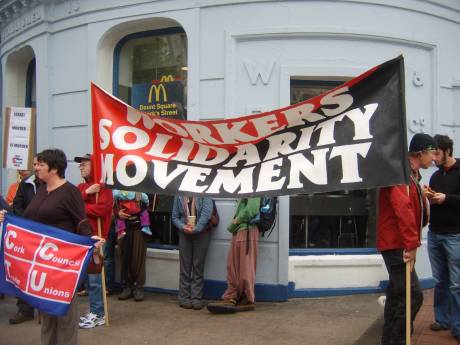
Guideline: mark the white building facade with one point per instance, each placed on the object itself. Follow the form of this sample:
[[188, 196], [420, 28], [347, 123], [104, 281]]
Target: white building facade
[[225, 58]]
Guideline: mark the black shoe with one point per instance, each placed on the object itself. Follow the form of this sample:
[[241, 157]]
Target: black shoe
[[20, 318], [434, 326], [2, 296], [125, 294], [138, 293], [457, 337]]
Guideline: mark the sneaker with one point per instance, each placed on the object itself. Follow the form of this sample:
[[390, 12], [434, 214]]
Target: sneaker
[[434, 326], [125, 294], [138, 293], [85, 317], [92, 321], [20, 318], [82, 293]]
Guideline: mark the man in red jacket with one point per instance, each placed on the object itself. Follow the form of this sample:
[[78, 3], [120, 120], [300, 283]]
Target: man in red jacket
[[101, 209], [403, 212]]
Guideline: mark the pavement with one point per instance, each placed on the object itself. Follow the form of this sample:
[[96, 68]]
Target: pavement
[[344, 320]]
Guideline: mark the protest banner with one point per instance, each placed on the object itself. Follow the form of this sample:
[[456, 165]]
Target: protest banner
[[18, 138], [351, 137], [41, 264]]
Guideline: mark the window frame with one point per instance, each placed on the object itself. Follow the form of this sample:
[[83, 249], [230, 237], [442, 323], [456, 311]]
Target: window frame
[[133, 36], [330, 81]]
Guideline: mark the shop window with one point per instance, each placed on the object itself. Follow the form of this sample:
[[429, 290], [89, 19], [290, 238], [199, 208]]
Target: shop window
[[150, 74], [328, 221]]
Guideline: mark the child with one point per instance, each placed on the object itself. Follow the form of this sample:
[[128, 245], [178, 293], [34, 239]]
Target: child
[[134, 204]]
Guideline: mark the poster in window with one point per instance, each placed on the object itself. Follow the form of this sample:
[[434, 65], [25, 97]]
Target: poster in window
[[163, 97], [18, 138]]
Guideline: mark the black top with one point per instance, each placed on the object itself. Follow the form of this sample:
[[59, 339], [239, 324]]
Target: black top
[[63, 208], [26, 192], [3, 204], [445, 218]]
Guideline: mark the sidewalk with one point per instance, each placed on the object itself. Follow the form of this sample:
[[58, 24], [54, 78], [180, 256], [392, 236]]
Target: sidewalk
[[423, 335], [345, 320]]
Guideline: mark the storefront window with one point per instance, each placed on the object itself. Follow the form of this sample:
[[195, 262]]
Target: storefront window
[[344, 219], [150, 74]]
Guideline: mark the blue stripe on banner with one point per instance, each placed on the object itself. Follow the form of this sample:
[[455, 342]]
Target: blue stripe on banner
[[41, 264]]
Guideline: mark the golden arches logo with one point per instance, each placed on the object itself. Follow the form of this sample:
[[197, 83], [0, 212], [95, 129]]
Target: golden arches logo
[[166, 79], [160, 88]]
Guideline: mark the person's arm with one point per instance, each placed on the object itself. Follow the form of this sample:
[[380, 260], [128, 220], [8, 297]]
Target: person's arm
[[405, 216], [11, 193], [176, 216], [103, 206], [205, 215]]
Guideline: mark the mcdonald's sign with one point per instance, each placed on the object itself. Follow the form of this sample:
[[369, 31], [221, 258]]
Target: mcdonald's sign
[[160, 88], [166, 79]]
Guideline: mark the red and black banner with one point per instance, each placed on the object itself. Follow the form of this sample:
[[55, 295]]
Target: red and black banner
[[351, 137]]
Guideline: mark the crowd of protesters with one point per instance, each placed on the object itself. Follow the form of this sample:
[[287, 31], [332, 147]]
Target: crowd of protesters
[[121, 217], [115, 217]]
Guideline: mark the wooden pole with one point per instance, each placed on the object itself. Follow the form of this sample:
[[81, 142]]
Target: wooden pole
[[104, 289], [408, 303]]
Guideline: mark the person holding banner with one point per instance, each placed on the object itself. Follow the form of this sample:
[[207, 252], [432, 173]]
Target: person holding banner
[[191, 215], [25, 193], [95, 208], [403, 212], [58, 203], [241, 260]]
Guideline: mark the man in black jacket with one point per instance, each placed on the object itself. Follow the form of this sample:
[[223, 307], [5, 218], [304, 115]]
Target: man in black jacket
[[26, 192], [444, 237]]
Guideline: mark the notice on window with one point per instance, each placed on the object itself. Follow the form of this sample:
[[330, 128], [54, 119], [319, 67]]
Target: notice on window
[[163, 97], [18, 138]]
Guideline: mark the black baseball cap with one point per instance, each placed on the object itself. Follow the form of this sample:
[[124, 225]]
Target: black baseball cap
[[422, 142], [86, 157]]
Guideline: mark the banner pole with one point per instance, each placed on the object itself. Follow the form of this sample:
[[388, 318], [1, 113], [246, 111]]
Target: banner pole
[[104, 294], [408, 303]]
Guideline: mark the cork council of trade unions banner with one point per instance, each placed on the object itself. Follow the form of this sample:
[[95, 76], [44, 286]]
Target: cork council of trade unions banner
[[351, 137], [41, 264]]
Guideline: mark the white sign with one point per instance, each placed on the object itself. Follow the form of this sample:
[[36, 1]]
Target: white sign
[[18, 134]]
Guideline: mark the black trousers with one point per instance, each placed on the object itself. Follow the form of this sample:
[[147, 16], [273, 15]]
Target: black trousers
[[25, 308], [394, 328]]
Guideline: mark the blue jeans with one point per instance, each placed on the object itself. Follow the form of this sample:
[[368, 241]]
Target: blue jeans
[[444, 252], [109, 258], [94, 288]]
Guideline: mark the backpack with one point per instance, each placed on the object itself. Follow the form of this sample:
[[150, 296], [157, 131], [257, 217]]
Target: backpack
[[214, 220], [266, 218]]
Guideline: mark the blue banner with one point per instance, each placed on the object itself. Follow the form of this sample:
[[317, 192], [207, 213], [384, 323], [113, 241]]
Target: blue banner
[[43, 265]]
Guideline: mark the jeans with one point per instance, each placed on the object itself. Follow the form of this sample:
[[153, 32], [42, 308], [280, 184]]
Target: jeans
[[444, 252], [109, 258], [94, 288]]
